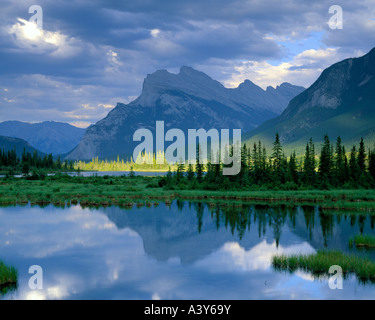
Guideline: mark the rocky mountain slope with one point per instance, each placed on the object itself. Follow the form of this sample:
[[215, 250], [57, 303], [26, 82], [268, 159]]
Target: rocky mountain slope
[[187, 100], [340, 103]]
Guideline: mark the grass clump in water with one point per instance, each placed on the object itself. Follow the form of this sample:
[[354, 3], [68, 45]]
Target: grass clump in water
[[8, 277], [319, 263], [366, 241]]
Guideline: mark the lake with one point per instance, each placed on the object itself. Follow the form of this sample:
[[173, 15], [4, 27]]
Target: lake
[[182, 251]]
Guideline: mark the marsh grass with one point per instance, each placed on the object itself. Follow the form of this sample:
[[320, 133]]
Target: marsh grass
[[8, 278], [318, 264], [365, 241], [94, 191]]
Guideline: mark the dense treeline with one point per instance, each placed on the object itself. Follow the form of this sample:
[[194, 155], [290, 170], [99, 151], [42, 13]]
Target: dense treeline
[[29, 161], [333, 168]]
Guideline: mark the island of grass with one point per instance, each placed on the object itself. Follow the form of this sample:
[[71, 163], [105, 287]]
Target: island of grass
[[362, 241], [8, 277], [319, 264], [124, 190]]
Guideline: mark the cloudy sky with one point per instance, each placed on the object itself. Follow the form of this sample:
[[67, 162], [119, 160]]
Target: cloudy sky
[[91, 54]]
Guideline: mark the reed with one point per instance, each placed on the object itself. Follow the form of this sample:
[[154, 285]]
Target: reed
[[366, 241], [319, 263], [8, 275]]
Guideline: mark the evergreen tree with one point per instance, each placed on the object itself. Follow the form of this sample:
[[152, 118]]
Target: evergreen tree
[[361, 157], [340, 163], [371, 165], [309, 164], [277, 158], [25, 168], [326, 162], [180, 171], [169, 176], [244, 172], [255, 164], [292, 168], [131, 173], [199, 166], [58, 163], [354, 170], [190, 172]]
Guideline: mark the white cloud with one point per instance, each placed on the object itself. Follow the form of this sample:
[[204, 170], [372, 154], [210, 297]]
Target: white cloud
[[303, 70], [232, 257], [114, 61], [26, 35], [154, 32]]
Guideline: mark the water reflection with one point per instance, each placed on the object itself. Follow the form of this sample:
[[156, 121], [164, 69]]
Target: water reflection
[[182, 251]]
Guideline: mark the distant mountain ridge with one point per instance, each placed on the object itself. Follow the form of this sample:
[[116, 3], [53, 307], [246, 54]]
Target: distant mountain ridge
[[9, 143], [48, 137], [340, 103], [187, 100]]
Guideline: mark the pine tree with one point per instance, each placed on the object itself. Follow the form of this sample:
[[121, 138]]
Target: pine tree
[[180, 171], [131, 173], [371, 165], [353, 165], [309, 164], [25, 168], [326, 162], [255, 164], [169, 176], [292, 168], [58, 163], [199, 166], [361, 157], [190, 172], [244, 172], [340, 164], [276, 158]]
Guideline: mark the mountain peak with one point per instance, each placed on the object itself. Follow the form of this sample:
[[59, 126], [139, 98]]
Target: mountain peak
[[189, 99], [247, 83], [187, 69], [193, 73], [339, 103]]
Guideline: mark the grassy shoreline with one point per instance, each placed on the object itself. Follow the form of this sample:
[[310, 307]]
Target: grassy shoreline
[[110, 190]]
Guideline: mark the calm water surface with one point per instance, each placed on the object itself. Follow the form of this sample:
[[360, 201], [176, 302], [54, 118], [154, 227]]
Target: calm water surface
[[185, 251]]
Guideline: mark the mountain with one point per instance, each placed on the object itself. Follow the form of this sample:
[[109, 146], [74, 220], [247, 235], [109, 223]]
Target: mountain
[[340, 103], [9, 143], [187, 100], [48, 137]]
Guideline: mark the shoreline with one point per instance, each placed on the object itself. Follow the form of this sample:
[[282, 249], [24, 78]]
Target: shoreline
[[117, 190]]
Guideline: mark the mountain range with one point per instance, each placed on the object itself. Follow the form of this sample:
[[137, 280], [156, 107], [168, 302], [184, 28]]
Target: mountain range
[[187, 100], [48, 137], [9, 143], [340, 103]]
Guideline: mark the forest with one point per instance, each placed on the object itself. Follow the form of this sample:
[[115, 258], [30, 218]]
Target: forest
[[334, 168]]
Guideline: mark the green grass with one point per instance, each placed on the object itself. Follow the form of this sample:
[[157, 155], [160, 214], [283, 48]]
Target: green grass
[[318, 264], [8, 275], [367, 241], [110, 190]]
